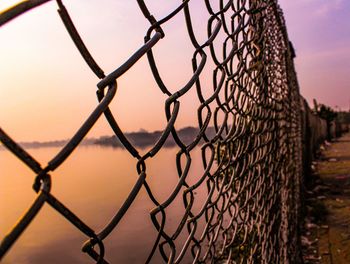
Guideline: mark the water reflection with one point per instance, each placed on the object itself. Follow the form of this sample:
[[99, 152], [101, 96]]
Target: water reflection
[[93, 183]]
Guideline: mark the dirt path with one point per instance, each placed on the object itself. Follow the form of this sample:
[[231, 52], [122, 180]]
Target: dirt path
[[328, 225]]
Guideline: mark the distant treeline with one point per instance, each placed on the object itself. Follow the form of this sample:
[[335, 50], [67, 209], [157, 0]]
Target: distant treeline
[[144, 138], [137, 139]]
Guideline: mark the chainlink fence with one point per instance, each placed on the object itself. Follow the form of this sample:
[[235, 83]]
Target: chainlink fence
[[251, 156]]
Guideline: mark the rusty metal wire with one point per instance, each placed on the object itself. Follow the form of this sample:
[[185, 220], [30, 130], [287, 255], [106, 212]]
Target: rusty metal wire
[[252, 163]]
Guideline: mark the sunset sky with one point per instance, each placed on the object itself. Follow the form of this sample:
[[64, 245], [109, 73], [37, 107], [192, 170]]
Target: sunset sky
[[47, 90], [320, 32]]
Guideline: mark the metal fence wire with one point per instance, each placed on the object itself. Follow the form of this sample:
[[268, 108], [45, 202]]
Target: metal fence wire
[[252, 161]]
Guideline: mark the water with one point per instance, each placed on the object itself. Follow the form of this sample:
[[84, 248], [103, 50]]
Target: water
[[93, 183]]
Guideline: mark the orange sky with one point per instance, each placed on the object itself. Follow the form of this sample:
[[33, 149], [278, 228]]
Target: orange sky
[[47, 90]]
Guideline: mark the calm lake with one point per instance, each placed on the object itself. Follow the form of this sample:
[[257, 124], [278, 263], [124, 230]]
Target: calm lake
[[93, 183]]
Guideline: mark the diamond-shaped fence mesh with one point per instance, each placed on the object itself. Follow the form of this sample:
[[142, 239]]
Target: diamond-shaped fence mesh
[[251, 156]]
